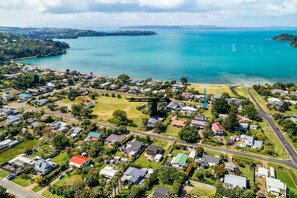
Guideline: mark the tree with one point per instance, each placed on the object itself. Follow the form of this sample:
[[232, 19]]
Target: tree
[[199, 151], [159, 127], [119, 117], [231, 122], [189, 134], [91, 180], [3, 192], [72, 94], [184, 80], [152, 109], [60, 141], [251, 112], [144, 122], [219, 170], [220, 106], [124, 77], [76, 109]]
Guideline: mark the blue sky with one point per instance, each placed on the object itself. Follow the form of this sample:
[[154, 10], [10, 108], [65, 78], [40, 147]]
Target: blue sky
[[106, 13]]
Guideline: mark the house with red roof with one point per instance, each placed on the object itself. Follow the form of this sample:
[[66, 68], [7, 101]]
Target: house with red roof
[[79, 161], [218, 129]]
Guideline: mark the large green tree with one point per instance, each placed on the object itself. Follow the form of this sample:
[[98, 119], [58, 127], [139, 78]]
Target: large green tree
[[189, 134], [220, 106]]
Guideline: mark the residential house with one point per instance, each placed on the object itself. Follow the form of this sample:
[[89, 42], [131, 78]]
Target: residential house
[[272, 172], [133, 148], [92, 136], [232, 139], [44, 166], [74, 131], [5, 143], [262, 172], [79, 161], [192, 154], [243, 126], [153, 150], [199, 97], [108, 172], [230, 167], [247, 141], [162, 193], [172, 107], [180, 161], [21, 161], [280, 91], [113, 138], [178, 123], [276, 187], [188, 110], [12, 119], [151, 122], [158, 157], [7, 97], [232, 181], [134, 175], [200, 117], [60, 126], [187, 95], [216, 96], [24, 96], [276, 102], [208, 160], [217, 129], [198, 124]]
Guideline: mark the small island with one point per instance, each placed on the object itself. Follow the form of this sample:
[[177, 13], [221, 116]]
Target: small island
[[287, 38]]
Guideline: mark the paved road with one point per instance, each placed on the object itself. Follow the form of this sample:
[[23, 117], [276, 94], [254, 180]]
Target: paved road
[[17, 190], [288, 147]]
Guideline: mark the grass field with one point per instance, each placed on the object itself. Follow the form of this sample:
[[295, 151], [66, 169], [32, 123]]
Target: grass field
[[212, 88], [175, 152], [161, 143], [61, 158], [203, 190], [49, 195], [105, 106], [17, 150], [242, 91]]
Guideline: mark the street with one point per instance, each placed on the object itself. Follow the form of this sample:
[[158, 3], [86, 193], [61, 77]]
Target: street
[[17, 190]]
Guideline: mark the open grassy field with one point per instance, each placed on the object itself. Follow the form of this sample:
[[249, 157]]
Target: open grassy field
[[105, 106], [61, 158], [203, 190], [212, 88], [241, 91], [161, 143], [49, 195], [36, 188], [17, 150]]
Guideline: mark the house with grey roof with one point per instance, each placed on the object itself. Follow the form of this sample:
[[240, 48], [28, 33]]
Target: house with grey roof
[[133, 148], [208, 160], [134, 175], [151, 122], [113, 138], [162, 193], [12, 119], [232, 181], [44, 166]]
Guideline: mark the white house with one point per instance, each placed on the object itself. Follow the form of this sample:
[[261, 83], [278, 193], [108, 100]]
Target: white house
[[276, 187]]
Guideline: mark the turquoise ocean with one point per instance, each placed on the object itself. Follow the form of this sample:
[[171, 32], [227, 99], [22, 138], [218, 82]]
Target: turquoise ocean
[[239, 56]]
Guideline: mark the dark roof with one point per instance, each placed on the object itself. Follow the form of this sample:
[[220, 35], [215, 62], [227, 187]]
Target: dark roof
[[153, 148], [161, 193], [134, 146], [211, 159]]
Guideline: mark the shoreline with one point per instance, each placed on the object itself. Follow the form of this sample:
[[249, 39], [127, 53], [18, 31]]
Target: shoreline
[[112, 76]]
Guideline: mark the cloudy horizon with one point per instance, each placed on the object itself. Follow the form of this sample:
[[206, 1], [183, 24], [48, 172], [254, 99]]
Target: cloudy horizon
[[110, 13]]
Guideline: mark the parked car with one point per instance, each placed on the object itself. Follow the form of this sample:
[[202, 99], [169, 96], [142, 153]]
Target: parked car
[[10, 176], [61, 176]]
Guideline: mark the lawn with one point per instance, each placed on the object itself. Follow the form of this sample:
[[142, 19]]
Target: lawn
[[36, 188], [3, 173], [61, 158], [172, 131], [285, 177], [203, 190], [278, 148], [50, 195], [212, 88], [17, 150], [22, 182], [160, 143], [105, 106], [242, 91], [145, 163], [175, 152]]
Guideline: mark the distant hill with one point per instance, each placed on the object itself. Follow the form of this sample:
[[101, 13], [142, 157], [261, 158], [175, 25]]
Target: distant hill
[[156, 27], [16, 47], [68, 33], [287, 38]]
